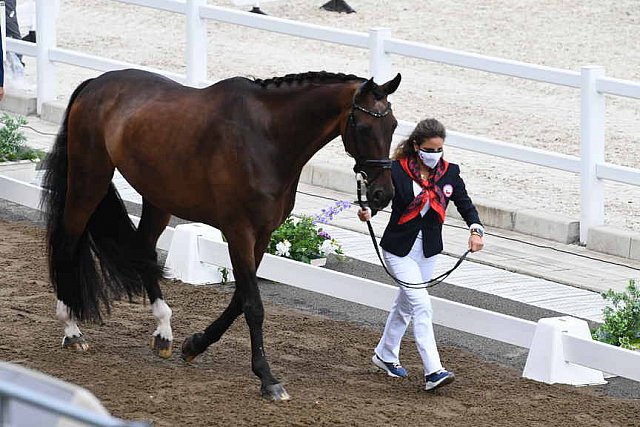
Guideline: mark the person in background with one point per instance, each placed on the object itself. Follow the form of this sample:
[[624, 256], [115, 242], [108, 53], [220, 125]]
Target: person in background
[[424, 184], [1, 70], [13, 29]]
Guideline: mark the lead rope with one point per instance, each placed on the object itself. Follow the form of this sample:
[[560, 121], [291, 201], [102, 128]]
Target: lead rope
[[428, 284]]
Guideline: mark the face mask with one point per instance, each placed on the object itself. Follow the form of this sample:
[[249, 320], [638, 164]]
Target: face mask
[[429, 159]]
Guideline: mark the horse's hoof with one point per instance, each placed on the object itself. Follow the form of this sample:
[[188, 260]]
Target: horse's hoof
[[161, 346], [275, 393], [78, 343], [188, 349]]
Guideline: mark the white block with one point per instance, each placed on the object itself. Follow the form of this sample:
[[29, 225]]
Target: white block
[[183, 261], [546, 361]]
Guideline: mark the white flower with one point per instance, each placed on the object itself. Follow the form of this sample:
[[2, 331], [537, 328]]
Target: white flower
[[328, 247], [282, 249]]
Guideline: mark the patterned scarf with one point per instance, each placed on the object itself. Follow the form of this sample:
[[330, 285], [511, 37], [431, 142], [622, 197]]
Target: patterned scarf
[[430, 191]]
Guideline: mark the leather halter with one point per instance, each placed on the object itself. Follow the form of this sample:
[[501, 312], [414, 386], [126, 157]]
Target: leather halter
[[360, 162]]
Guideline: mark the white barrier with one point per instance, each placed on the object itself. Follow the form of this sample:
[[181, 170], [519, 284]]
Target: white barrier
[[591, 81], [576, 349]]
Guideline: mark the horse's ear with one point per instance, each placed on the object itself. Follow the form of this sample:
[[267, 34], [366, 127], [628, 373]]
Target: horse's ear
[[391, 86], [368, 86]]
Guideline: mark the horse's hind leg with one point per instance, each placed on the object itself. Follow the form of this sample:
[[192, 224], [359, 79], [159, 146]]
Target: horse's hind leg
[[83, 197], [152, 224], [73, 339]]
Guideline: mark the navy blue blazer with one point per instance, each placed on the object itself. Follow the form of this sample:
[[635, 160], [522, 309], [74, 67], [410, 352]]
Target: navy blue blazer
[[398, 239]]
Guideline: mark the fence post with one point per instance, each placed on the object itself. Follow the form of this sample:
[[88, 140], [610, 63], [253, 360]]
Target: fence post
[[380, 66], [592, 119], [46, 28], [196, 49]]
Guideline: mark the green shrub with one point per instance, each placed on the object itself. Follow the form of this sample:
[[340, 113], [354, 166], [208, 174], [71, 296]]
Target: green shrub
[[12, 141], [621, 325]]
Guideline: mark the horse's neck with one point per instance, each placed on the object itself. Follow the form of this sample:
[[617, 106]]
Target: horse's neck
[[309, 120]]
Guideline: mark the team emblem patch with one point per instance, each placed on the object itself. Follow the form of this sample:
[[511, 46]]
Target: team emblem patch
[[447, 190]]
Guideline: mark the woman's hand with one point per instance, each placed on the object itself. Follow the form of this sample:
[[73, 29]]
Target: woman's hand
[[476, 243], [364, 214]]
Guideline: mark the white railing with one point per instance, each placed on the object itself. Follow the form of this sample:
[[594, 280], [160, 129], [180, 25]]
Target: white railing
[[13, 392], [590, 80], [473, 320]]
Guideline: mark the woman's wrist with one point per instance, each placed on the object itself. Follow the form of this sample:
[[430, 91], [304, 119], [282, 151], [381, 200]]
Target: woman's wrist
[[476, 229]]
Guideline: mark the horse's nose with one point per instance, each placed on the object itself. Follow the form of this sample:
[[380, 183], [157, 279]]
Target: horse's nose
[[379, 199]]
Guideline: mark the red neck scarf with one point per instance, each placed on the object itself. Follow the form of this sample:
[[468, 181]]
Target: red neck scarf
[[430, 191]]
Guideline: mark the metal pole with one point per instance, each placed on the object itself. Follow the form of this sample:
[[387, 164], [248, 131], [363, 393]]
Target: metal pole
[[592, 118]]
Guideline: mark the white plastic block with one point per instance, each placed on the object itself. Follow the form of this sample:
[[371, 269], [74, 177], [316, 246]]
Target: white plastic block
[[546, 361], [183, 261]]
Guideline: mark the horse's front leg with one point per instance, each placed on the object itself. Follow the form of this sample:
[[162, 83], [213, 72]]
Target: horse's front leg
[[253, 309], [245, 252]]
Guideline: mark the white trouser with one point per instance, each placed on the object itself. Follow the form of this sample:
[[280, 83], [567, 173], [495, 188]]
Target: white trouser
[[410, 304]]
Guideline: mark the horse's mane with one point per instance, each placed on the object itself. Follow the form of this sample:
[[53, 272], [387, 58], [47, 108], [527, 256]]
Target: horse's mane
[[309, 77]]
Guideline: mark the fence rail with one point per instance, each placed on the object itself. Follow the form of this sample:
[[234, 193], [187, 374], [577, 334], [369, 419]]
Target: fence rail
[[591, 81], [13, 392], [479, 62]]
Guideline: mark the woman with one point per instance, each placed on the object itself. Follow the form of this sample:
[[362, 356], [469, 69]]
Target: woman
[[424, 183]]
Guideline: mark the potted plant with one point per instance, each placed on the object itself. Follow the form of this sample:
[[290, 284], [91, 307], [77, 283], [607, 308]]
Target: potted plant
[[621, 325], [17, 160], [303, 240]]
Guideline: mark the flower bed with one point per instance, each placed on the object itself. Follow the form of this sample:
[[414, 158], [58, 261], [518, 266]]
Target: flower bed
[[302, 239], [621, 325]]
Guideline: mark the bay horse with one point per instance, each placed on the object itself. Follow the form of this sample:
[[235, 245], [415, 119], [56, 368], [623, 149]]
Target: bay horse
[[228, 155]]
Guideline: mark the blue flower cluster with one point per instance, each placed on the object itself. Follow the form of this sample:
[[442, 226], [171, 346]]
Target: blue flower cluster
[[326, 215]]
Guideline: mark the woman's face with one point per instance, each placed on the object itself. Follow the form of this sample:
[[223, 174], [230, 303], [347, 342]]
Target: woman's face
[[430, 145]]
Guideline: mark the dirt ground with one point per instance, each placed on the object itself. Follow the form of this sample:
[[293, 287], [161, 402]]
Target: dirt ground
[[324, 365]]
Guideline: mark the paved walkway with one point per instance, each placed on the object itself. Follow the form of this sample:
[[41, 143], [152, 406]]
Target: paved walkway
[[550, 275]]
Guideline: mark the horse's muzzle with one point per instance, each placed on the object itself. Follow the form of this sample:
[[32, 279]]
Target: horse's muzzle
[[379, 198]]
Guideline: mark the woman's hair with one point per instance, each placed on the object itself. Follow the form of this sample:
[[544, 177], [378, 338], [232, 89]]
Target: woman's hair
[[426, 129]]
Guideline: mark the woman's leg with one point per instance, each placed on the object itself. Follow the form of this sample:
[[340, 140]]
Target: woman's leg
[[405, 269], [423, 313]]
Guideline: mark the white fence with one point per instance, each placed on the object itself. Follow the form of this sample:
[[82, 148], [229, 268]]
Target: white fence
[[473, 320], [15, 393], [591, 81]]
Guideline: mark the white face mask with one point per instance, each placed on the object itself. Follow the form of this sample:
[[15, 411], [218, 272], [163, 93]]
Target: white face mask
[[429, 159]]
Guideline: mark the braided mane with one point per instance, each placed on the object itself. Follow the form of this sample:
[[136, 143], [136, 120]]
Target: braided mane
[[308, 77]]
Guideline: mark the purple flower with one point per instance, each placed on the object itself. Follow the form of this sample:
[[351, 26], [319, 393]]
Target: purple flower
[[326, 215], [324, 235]]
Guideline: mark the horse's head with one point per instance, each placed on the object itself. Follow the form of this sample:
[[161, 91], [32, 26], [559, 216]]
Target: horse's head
[[367, 138]]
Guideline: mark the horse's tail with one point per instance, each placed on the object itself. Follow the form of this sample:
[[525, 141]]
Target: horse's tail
[[107, 260]]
